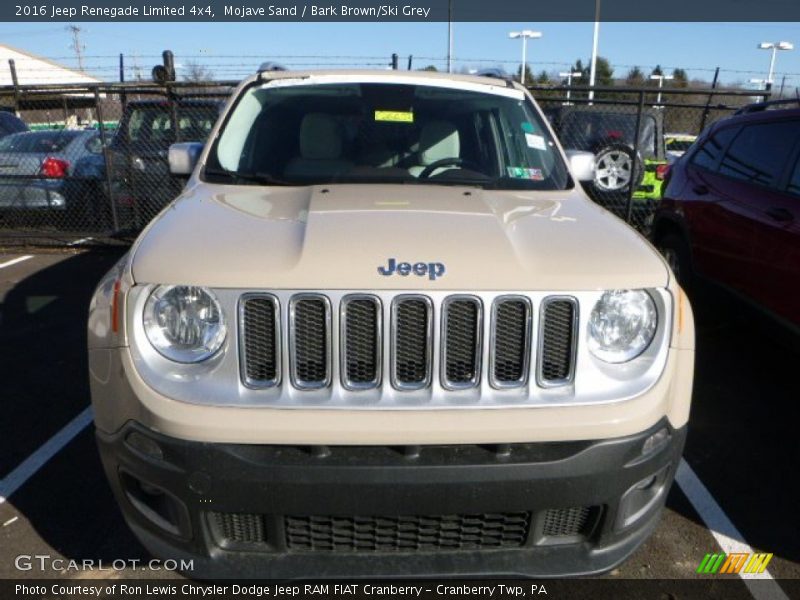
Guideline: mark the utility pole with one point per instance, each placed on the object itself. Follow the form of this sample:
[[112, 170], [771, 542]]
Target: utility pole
[[595, 41], [76, 46]]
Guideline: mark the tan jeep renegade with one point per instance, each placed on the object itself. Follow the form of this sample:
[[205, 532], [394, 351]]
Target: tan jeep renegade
[[382, 331]]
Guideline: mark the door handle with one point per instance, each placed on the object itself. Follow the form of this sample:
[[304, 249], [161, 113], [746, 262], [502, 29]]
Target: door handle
[[699, 189], [780, 214]]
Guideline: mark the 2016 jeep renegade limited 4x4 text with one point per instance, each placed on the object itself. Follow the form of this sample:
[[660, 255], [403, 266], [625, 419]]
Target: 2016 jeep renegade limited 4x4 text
[[382, 331]]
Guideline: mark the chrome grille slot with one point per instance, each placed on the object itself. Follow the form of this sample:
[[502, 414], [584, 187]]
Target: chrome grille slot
[[511, 340], [259, 319], [310, 341], [361, 333], [557, 340], [461, 342], [412, 328]]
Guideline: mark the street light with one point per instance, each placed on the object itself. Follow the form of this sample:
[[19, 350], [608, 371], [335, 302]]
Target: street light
[[525, 34], [660, 79], [569, 75], [595, 41], [774, 46]]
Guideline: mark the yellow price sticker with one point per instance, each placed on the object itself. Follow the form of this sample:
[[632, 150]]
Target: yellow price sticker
[[394, 116]]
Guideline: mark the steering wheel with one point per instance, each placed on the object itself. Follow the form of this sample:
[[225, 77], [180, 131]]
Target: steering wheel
[[444, 162]]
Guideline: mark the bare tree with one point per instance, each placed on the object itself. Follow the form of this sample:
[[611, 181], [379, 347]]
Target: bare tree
[[195, 72]]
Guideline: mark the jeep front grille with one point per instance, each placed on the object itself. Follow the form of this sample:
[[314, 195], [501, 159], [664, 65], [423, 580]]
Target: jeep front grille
[[461, 342], [557, 341], [406, 341], [310, 341], [412, 329], [511, 341], [259, 318], [361, 327]]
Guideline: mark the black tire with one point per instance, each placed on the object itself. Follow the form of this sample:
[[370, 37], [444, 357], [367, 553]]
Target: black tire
[[676, 252]]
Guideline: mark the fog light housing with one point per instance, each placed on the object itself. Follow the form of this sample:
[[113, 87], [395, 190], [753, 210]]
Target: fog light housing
[[656, 441]]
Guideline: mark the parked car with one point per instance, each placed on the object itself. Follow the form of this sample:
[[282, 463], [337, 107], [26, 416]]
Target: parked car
[[731, 210], [10, 123], [137, 154], [383, 331], [677, 144], [609, 133], [37, 173]]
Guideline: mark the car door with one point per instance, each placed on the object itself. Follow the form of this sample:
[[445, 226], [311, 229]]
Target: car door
[[777, 253], [752, 201], [720, 239]]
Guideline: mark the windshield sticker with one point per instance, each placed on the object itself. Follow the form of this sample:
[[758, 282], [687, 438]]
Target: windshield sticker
[[535, 141], [527, 127], [525, 173], [394, 116]]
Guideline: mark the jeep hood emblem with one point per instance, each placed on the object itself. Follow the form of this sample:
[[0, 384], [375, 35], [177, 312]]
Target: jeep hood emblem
[[420, 269]]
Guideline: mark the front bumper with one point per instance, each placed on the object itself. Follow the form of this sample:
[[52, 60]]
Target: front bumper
[[270, 511]]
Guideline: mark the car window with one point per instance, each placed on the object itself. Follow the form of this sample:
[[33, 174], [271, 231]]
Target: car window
[[42, 142], [590, 131], [708, 154], [758, 154], [153, 123], [793, 186], [376, 132]]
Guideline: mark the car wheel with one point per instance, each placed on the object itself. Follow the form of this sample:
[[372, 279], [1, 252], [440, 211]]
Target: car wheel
[[676, 252], [614, 171]]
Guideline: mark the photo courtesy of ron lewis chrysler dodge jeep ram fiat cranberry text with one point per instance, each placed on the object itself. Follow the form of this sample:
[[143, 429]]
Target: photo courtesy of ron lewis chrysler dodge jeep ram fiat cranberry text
[[382, 331]]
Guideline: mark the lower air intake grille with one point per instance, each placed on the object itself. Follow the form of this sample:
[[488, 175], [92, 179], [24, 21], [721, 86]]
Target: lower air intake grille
[[558, 341], [361, 340], [412, 338], [569, 522], [410, 533], [259, 315], [238, 528], [310, 331], [511, 342], [461, 342]]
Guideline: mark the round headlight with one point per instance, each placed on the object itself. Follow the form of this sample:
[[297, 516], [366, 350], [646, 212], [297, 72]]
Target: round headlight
[[184, 323], [622, 325]]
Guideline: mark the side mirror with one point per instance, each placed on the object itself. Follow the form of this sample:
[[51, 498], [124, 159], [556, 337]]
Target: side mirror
[[581, 164], [183, 157]]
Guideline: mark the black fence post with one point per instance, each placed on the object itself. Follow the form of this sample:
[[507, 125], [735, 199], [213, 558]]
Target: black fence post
[[123, 97], [109, 179], [15, 82], [395, 59], [411, 58], [704, 116], [635, 161]]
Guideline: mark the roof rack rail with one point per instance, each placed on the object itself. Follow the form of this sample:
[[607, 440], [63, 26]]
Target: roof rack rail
[[496, 74], [271, 66], [761, 106]]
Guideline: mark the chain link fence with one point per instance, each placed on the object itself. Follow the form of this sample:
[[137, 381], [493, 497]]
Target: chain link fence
[[82, 162], [635, 134]]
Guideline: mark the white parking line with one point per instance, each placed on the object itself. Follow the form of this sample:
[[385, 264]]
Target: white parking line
[[724, 531], [80, 241], [14, 261], [14, 480]]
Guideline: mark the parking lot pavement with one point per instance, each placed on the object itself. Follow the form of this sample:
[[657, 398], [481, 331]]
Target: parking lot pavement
[[742, 445]]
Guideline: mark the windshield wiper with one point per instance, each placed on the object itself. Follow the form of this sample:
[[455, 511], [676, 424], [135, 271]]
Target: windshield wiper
[[250, 176]]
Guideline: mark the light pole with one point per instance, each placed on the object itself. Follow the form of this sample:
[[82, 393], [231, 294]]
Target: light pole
[[525, 34], [774, 46], [660, 79], [595, 41], [569, 75]]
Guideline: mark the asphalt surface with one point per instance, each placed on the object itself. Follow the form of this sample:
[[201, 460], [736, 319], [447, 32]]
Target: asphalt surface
[[742, 440]]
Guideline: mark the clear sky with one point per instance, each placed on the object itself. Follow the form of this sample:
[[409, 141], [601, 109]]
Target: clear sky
[[231, 50]]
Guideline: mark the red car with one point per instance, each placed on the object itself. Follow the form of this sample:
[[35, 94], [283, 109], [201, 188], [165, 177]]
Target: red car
[[731, 210]]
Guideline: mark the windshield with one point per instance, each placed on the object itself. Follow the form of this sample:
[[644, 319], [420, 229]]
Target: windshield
[[385, 133], [592, 131], [153, 123]]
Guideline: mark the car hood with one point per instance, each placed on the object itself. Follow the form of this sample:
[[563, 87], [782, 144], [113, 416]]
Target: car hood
[[336, 237]]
